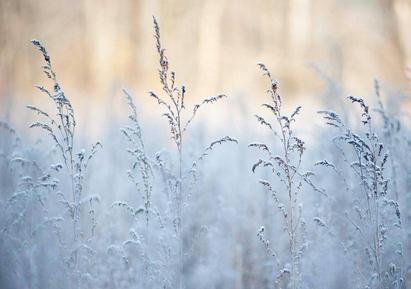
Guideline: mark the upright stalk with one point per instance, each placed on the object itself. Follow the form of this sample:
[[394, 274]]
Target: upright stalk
[[174, 106], [287, 168], [180, 204], [62, 131]]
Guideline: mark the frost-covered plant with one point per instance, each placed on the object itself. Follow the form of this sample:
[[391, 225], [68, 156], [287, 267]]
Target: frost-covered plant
[[61, 129], [24, 217], [374, 242], [394, 138], [173, 103], [141, 171], [10, 145], [142, 177], [286, 166]]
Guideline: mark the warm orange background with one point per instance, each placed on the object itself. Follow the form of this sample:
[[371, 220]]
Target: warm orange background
[[99, 46]]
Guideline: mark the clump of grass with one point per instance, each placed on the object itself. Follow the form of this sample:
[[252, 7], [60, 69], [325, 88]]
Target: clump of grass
[[286, 166], [141, 163], [24, 213], [178, 180], [61, 129], [373, 244], [142, 177]]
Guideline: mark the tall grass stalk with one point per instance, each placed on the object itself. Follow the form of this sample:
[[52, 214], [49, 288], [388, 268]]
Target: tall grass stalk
[[286, 167], [375, 217], [61, 129], [179, 122]]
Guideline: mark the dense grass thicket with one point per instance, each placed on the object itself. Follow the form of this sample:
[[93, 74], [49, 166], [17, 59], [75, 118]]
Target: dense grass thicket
[[224, 212]]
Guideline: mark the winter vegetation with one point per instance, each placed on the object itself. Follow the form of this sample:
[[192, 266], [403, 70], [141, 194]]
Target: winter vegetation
[[173, 206]]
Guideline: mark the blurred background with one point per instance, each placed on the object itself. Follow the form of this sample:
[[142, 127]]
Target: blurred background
[[320, 51], [99, 46]]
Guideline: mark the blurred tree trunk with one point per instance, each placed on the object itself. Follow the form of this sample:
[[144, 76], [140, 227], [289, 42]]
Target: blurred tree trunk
[[402, 10], [209, 46], [397, 13]]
